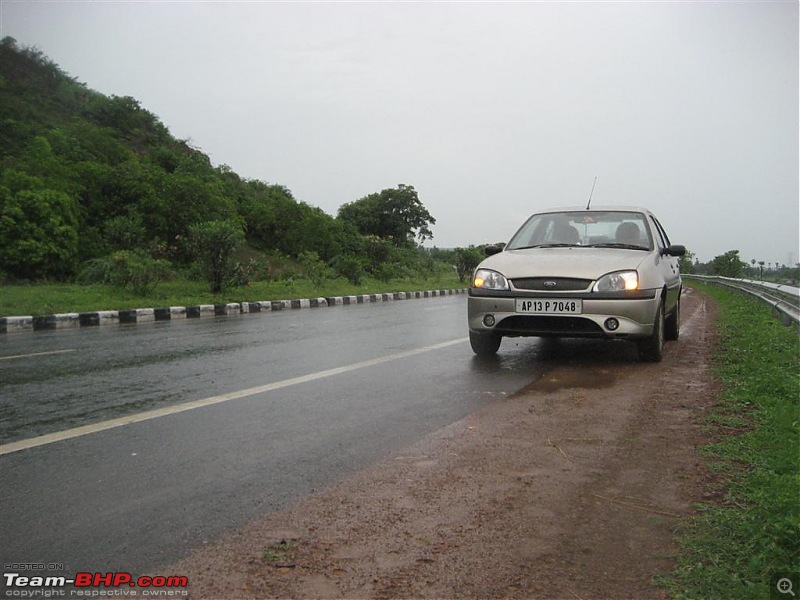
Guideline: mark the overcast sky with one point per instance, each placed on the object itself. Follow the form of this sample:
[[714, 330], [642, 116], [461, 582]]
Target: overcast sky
[[492, 111]]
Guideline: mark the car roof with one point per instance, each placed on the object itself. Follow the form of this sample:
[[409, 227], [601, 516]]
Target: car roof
[[594, 209]]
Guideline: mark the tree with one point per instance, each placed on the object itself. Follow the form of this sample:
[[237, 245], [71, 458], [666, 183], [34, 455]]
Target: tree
[[126, 115], [687, 262], [214, 243], [394, 214], [466, 261], [38, 233], [728, 265], [268, 210]]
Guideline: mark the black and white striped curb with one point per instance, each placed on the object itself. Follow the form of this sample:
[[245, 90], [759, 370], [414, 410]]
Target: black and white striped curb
[[146, 315]]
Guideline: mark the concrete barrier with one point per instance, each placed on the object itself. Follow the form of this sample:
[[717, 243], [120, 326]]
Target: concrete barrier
[[137, 315], [16, 324], [200, 311], [97, 318], [227, 310], [304, 303], [57, 321]]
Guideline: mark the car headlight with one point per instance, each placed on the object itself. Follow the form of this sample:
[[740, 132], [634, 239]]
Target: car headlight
[[489, 280], [617, 282]]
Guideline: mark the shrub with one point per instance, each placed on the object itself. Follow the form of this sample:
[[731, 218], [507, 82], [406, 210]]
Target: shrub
[[352, 268], [315, 269], [124, 232], [130, 269], [214, 243]]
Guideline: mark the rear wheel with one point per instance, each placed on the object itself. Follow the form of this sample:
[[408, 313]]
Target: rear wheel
[[651, 349], [484, 344]]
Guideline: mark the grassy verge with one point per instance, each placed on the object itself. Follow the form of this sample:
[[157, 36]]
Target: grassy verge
[[44, 299], [734, 548]]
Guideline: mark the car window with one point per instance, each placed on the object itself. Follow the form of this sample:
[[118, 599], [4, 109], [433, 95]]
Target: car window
[[583, 228], [661, 233]]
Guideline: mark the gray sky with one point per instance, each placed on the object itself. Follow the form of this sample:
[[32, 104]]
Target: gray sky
[[492, 110]]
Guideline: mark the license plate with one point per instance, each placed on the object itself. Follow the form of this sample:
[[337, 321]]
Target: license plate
[[549, 306]]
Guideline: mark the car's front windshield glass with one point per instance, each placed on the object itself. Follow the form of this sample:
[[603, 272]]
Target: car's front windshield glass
[[610, 229]]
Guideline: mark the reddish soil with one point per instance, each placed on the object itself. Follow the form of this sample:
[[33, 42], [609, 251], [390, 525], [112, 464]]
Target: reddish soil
[[572, 488]]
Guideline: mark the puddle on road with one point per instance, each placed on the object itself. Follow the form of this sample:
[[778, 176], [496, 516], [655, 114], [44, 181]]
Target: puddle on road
[[582, 377], [581, 364]]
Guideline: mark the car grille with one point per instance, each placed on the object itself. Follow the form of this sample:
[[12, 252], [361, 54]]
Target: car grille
[[551, 284], [543, 325]]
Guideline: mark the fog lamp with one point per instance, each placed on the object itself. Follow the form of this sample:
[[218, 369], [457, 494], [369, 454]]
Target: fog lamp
[[489, 320], [612, 324]]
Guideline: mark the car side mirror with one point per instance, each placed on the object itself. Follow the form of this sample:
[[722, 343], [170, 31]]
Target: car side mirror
[[675, 250], [493, 249]]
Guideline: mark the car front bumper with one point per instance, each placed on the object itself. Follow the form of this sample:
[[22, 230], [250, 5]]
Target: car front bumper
[[634, 315]]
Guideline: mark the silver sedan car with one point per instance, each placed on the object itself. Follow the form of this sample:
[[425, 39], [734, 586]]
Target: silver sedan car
[[570, 272]]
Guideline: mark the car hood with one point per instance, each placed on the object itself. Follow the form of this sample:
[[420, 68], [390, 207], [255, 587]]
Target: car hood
[[577, 262]]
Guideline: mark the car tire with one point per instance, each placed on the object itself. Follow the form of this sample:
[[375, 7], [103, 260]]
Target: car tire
[[484, 344], [672, 324], [651, 349]]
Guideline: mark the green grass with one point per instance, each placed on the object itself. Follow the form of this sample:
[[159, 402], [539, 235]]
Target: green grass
[[278, 554], [44, 299], [735, 546]]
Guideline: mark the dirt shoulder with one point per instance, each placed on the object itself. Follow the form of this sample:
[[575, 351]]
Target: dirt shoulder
[[570, 489]]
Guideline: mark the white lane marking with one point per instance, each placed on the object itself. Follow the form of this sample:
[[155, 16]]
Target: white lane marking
[[171, 410], [36, 354]]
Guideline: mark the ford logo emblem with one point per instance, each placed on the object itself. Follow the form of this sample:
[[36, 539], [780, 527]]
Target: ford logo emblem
[[550, 284]]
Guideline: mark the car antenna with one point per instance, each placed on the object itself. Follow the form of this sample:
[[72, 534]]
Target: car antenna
[[592, 192]]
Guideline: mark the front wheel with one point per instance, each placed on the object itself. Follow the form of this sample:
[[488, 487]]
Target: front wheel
[[672, 324], [651, 349], [484, 344]]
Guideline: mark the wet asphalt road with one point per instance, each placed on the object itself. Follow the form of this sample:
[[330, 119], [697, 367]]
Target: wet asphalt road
[[133, 497]]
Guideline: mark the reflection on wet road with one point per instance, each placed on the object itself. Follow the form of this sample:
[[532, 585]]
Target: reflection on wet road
[[195, 404], [60, 380]]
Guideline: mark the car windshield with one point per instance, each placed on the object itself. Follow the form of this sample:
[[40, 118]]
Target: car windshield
[[597, 229]]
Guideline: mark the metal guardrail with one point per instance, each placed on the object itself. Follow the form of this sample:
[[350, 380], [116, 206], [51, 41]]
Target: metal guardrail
[[784, 299]]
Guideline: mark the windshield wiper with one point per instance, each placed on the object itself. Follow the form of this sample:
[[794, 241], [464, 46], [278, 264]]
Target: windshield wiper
[[617, 245], [553, 245]]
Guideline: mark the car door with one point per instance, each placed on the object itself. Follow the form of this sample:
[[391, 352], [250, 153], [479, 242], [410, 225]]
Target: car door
[[669, 265]]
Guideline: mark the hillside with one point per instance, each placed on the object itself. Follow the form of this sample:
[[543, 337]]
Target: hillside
[[84, 176]]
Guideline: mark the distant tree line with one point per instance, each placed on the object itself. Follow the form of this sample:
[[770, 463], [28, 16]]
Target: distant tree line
[[95, 187], [730, 264]]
